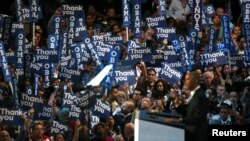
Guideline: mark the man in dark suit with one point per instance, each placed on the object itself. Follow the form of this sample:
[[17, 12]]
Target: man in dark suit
[[196, 110]]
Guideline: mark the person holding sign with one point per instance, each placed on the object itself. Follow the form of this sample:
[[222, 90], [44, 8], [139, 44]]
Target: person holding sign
[[196, 110], [147, 79]]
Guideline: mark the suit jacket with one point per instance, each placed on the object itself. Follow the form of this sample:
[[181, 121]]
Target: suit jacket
[[196, 117]]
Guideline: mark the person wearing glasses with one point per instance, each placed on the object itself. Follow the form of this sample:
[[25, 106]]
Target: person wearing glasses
[[38, 132]]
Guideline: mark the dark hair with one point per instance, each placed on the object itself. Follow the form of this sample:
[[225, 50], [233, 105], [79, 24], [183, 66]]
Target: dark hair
[[140, 88], [58, 134], [195, 75], [100, 124], [151, 69]]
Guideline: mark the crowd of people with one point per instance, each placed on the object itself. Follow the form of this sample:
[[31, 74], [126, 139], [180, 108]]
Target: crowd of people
[[214, 95]]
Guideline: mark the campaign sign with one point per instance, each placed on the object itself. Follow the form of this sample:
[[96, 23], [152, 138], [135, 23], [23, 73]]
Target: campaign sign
[[25, 15], [46, 55], [53, 41], [165, 33], [172, 75], [11, 116], [19, 5], [132, 45], [246, 59], [125, 13], [125, 64], [113, 40], [155, 63], [101, 109], [236, 60], [68, 99], [4, 63], [75, 112], [6, 33], [208, 13], [209, 59], [221, 47], [28, 101], [80, 34], [43, 112], [29, 90], [55, 28], [98, 38], [58, 127], [19, 51], [122, 76], [70, 73], [162, 7], [113, 58], [103, 49], [36, 67], [65, 61], [77, 50], [11, 58], [163, 54], [16, 28], [136, 9], [156, 21], [94, 120], [175, 62], [92, 50], [33, 8], [197, 14], [245, 10], [140, 54], [86, 100]]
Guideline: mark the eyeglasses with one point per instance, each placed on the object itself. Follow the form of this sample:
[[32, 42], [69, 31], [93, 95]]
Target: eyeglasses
[[40, 129]]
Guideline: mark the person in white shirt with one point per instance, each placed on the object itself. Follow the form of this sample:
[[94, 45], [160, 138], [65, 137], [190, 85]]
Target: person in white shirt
[[178, 9]]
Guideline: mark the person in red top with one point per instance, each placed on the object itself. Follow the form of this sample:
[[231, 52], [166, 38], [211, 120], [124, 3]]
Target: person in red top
[[38, 132]]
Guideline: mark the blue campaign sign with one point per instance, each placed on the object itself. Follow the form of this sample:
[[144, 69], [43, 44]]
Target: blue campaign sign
[[43, 112], [28, 101], [103, 49], [123, 76], [136, 9], [11, 58], [156, 21], [68, 99], [75, 112], [113, 39], [125, 64], [101, 109], [126, 13], [165, 33], [34, 11], [46, 55], [172, 75], [209, 59], [12, 116], [58, 127], [72, 74], [4, 63], [236, 60], [140, 54], [87, 99]]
